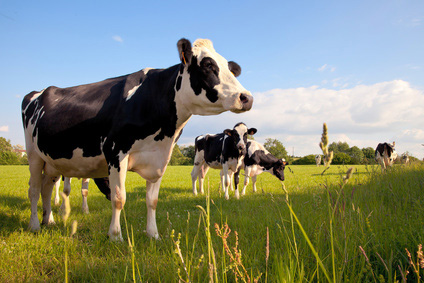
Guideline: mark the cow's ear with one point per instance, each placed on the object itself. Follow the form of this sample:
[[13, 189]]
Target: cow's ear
[[228, 132], [184, 51], [252, 131], [234, 68]]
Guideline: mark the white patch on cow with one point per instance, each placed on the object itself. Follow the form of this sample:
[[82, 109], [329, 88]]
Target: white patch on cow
[[36, 95], [241, 130], [132, 91], [149, 158]]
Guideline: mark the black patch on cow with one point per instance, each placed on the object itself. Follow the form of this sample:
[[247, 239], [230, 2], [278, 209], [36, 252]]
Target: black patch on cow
[[87, 116], [204, 76], [234, 68], [103, 185], [178, 85], [381, 147]]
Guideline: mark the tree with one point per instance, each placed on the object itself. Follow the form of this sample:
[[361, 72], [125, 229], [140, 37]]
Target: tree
[[177, 158], [356, 155], [5, 145], [341, 158], [306, 160], [339, 147], [189, 153], [276, 148]]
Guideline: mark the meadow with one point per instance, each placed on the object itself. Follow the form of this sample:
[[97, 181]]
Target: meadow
[[316, 228]]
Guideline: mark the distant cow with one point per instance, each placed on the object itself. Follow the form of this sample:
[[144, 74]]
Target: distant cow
[[385, 154], [318, 159], [256, 161], [103, 185], [221, 151], [125, 123], [404, 159]]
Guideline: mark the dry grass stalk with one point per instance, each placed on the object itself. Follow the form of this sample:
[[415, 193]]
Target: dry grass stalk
[[234, 254], [328, 156]]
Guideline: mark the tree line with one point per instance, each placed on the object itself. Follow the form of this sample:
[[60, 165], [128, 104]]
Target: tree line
[[184, 155], [11, 155]]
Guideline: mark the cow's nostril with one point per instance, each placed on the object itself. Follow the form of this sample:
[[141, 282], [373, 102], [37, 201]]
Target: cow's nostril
[[243, 98]]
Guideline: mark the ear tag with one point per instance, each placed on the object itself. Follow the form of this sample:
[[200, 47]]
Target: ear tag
[[182, 54]]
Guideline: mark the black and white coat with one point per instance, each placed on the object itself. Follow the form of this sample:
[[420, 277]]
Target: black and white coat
[[127, 123], [385, 154], [257, 160], [221, 151]]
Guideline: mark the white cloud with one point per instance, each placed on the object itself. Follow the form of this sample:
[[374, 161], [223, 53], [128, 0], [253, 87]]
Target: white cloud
[[117, 38], [363, 115], [4, 128], [326, 67]]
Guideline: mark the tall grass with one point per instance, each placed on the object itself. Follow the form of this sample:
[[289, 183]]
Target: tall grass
[[360, 230]]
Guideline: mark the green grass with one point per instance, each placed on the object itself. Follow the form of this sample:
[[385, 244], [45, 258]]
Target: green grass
[[382, 214]]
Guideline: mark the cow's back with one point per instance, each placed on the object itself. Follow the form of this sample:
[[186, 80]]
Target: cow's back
[[64, 119]]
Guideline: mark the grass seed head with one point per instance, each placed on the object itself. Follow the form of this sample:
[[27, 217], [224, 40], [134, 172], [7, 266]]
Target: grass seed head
[[67, 207]]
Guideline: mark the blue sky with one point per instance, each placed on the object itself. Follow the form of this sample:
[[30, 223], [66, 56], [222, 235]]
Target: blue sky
[[357, 65]]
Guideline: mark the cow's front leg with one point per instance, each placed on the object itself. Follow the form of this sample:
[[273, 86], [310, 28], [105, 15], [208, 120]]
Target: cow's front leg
[[118, 197], [46, 195], [152, 195]]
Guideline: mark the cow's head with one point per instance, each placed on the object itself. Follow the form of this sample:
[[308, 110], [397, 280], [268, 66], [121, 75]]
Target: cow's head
[[239, 136], [278, 169], [212, 79]]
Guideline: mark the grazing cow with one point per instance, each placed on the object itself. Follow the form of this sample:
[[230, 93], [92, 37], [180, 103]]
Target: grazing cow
[[318, 160], [125, 123], [221, 151], [256, 161], [385, 154], [404, 159], [104, 188]]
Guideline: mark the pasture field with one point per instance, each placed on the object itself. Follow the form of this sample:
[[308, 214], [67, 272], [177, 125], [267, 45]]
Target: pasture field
[[317, 229]]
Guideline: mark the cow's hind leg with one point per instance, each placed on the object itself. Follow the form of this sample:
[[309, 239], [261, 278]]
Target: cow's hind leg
[[202, 175], [46, 195], [57, 197], [152, 195], [66, 191], [36, 165], [84, 193], [118, 197], [194, 174], [246, 180]]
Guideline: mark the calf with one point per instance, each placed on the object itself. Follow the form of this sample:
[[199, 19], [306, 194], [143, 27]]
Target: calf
[[318, 159], [130, 122], [385, 154], [256, 161], [221, 151]]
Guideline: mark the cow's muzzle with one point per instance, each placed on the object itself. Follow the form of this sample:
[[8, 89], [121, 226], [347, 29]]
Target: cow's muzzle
[[246, 100]]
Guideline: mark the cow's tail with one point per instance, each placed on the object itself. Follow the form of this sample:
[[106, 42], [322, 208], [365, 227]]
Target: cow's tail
[[103, 185]]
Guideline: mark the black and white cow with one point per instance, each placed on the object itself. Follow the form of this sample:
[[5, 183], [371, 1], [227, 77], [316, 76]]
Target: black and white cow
[[318, 160], [125, 123], [258, 160], [385, 154], [404, 159], [221, 151]]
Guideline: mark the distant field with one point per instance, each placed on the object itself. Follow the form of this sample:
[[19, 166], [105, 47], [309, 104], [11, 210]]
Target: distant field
[[353, 232]]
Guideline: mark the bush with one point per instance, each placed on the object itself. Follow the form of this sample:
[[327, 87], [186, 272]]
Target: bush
[[306, 160], [341, 158]]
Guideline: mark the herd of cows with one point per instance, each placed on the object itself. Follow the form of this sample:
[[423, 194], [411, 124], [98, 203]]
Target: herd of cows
[[132, 122]]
